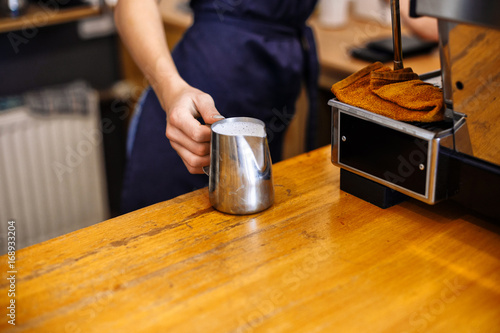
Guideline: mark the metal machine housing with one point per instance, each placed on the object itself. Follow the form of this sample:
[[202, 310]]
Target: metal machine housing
[[402, 156]]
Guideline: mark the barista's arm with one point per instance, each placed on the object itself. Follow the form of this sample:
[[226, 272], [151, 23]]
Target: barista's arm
[[140, 26]]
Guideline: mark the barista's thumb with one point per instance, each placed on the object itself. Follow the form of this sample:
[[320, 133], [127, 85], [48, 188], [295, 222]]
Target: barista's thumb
[[206, 107]]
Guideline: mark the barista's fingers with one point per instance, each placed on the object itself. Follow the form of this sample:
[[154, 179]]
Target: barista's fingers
[[177, 136], [187, 135], [194, 163], [182, 118], [184, 105]]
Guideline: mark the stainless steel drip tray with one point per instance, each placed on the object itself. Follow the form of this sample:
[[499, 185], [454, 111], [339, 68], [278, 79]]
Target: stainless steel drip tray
[[402, 156]]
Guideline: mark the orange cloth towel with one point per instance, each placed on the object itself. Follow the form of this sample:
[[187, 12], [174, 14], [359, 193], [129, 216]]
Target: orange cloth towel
[[397, 94]]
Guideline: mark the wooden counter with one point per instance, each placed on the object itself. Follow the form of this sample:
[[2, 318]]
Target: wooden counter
[[319, 260]]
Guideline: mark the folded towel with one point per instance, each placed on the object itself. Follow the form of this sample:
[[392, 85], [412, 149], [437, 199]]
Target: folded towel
[[397, 94]]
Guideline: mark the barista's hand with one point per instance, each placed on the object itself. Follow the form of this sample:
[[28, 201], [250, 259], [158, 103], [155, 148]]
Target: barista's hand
[[187, 135]]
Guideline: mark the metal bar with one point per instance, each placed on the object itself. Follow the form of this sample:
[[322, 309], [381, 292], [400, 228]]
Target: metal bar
[[396, 35]]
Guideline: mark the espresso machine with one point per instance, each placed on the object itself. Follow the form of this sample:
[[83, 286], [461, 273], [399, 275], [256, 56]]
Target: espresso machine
[[385, 161]]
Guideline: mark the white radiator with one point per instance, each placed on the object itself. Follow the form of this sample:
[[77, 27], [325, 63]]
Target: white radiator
[[52, 177]]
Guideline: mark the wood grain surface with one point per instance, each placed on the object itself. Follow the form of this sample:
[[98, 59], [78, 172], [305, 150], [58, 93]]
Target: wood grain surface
[[475, 69], [319, 260]]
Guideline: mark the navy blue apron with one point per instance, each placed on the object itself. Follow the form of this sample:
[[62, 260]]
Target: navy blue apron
[[251, 57]]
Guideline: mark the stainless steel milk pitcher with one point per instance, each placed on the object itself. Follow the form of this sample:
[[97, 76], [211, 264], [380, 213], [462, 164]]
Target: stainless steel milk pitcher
[[240, 171]]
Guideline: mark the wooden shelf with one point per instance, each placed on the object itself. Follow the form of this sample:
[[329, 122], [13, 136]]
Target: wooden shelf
[[37, 17]]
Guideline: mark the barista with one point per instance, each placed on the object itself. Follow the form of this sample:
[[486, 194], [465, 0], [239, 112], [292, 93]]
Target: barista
[[239, 58]]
